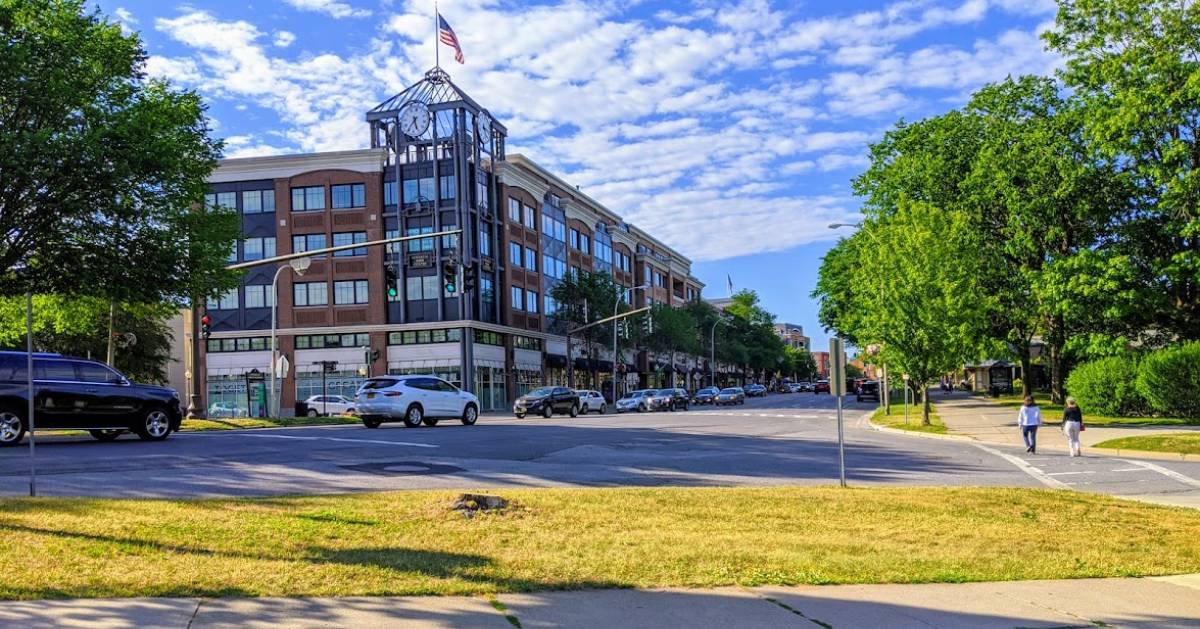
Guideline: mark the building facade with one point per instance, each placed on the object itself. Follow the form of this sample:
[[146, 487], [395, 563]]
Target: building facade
[[792, 335], [822, 360], [437, 162]]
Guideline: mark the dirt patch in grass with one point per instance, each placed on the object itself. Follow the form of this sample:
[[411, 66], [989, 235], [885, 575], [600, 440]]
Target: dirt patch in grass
[[411, 543]]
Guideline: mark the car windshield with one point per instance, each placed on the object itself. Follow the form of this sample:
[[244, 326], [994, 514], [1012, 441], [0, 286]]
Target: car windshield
[[541, 392]]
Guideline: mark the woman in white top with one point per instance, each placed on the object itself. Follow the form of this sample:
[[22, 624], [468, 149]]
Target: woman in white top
[[1029, 418]]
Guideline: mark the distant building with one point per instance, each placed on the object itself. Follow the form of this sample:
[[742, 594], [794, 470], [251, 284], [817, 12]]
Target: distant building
[[792, 335], [720, 303], [822, 360]]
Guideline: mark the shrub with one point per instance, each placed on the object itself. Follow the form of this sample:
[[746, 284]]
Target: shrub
[[1107, 386], [1169, 380]]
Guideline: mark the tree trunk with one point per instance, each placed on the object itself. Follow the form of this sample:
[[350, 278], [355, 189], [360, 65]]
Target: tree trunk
[[1055, 342], [1026, 372], [925, 405]]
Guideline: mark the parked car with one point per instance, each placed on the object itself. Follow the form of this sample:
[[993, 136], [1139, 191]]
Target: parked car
[[591, 401], [546, 401], [81, 394], [796, 387], [679, 399], [869, 389], [415, 400], [822, 386], [756, 390], [317, 405], [731, 396], [636, 401], [705, 396], [218, 410], [807, 387], [661, 400]]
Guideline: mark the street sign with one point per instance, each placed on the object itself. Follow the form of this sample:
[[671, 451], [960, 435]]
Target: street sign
[[837, 366], [281, 366]]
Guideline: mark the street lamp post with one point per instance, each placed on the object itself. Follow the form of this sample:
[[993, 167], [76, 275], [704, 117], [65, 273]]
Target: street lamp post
[[614, 356], [712, 358], [299, 265], [886, 396]]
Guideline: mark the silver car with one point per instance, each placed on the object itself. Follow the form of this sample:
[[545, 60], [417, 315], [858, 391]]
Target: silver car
[[636, 401]]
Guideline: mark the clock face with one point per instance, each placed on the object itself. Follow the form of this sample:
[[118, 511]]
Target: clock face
[[483, 127], [414, 119]]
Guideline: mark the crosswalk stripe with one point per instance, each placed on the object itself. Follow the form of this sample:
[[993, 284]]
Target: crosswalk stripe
[[1024, 466], [1186, 480], [380, 441]]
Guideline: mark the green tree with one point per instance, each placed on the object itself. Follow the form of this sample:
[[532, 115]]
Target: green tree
[[78, 326], [582, 298], [1136, 66], [804, 367], [674, 331], [104, 169]]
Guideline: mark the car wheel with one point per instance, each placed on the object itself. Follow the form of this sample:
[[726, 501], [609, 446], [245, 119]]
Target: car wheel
[[155, 426], [12, 427], [430, 421], [641, 408], [547, 411], [520, 415], [372, 422], [583, 409], [312, 412], [574, 410], [470, 415], [105, 435], [603, 409], [685, 407], [414, 415]]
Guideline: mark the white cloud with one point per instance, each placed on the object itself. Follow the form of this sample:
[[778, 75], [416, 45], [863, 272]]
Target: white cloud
[[332, 8], [126, 19], [283, 39]]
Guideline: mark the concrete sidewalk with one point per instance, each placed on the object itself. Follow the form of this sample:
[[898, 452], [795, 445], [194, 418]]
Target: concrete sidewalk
[[1160, 602], [982, 419]]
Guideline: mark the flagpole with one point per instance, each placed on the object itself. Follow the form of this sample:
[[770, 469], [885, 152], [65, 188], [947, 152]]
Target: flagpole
[[437, 48]]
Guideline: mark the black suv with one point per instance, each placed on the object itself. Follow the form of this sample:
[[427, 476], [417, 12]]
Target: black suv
[[868, 389], [546, 401], [679, 399], [81, 394]]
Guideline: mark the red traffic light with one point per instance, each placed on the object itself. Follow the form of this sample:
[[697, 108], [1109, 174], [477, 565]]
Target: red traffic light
[[205, 320]]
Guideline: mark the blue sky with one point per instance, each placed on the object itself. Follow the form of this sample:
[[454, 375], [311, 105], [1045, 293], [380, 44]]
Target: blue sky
[[729, 129]]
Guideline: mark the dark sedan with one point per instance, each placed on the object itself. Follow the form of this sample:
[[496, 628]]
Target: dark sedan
[[546, 401], [867, 390], [81, 394], [756, 390], [705, 396]]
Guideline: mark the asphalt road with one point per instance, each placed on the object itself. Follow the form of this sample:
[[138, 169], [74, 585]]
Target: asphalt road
[[784, 439]]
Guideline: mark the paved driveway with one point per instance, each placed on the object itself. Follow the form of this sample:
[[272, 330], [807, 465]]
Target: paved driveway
[[784, 439]]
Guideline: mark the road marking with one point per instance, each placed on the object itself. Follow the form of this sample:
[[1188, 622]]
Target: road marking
[[1186, 480], [1068, 473], [380, 441], [1129, 469], [1024, 466]]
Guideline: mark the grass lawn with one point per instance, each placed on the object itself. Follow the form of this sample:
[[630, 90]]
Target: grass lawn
[[1182, 443], [896, 419], [197, 425], [410, 543], [1053, 414]]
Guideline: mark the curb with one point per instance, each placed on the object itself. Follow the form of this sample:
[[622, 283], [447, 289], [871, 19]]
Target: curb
[[1108, 452]]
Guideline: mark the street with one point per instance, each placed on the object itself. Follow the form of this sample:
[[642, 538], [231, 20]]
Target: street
[[783, 439]]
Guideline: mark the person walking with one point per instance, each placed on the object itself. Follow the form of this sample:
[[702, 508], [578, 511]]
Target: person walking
[[1029, 418], [1073, 425]]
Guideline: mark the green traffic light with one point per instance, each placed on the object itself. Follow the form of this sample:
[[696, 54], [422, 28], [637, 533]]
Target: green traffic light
[[391, 292], [450, 287]]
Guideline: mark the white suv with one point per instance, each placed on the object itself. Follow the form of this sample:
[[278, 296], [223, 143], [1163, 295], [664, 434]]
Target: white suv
[[415, 400], [329, 405], [591, 401]]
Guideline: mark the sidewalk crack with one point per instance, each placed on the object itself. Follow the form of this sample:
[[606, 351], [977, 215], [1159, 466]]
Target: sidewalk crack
[[779, 603], [195, 612]]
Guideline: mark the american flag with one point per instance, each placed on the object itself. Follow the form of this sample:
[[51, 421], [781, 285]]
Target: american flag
[[447, 35]]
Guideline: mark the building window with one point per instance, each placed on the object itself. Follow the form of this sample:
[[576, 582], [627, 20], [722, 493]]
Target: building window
[[258, 248], [449, 190], [574, 238], [648, 273], [518, 298], [308, 199], [485, 243], [553, 267], [514, 210], [227, 200], [418, 190], [514, 254], [488, 337], [227, 301], [258, 201], [603, 252], [530, 259], [350, 292], [348, 195], [308, 242], [530, 218], [531, 301], [310, 294], [422, 287], [259, 296], [322, 341], [251, 344], [585, 244], [389, 193], [349, 238], [554, 228], [525, 342], [551, 305], [419, 337], [451, 241], [660, 279], [420, 244]]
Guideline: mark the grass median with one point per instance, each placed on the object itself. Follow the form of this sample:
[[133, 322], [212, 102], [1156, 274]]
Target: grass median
[[1052, 413], [238, 423], [895, 419], [1178, 443], [412, 543]]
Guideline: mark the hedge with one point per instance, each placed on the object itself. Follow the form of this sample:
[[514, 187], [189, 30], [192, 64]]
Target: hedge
[[1108, 386], [1169, 380]]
